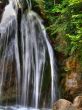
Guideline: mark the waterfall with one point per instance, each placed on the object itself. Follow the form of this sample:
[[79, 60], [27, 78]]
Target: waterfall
[[6, 29], [31, 52]]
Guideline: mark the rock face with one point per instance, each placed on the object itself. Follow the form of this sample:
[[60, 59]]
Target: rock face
[[78, 102], [72, 79], [2, 6], [8, 90], [63, 104], [73, 84]]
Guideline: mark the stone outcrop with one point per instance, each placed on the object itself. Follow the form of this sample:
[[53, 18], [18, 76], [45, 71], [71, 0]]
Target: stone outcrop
[[73, 84], [78, 102], [63, 104], [72, 79]]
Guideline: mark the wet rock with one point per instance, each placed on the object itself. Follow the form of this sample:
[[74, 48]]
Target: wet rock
[[63, 104], [2, 6], [8, 90]]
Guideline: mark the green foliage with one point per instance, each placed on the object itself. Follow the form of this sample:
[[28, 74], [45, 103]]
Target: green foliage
[[66, 18], [4, 1]]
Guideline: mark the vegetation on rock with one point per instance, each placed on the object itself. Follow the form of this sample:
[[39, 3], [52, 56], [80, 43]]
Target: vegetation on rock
[[64, 25]]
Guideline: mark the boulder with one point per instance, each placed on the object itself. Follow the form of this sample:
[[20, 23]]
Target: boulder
[[78, 102], [63, 104]]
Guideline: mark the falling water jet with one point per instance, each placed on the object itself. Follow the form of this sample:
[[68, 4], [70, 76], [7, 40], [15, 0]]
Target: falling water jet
[[29, 39], [29, 4], [34, 49]]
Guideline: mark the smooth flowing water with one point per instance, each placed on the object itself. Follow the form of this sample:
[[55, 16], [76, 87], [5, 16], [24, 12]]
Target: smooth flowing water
[[35, 66]]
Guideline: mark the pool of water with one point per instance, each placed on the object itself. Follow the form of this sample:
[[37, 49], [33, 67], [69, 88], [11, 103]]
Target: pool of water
[[20, 108]]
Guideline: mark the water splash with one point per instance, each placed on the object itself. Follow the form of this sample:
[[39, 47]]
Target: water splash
[[20, 108]]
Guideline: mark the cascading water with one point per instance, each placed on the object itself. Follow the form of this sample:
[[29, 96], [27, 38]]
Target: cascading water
[[31, 52]]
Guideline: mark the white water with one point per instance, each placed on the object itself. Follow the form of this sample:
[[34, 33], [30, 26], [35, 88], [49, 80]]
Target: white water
[[20, 108], [32, 54]]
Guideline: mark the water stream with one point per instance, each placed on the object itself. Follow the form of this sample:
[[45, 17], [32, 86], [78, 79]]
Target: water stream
[[34, 60]]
